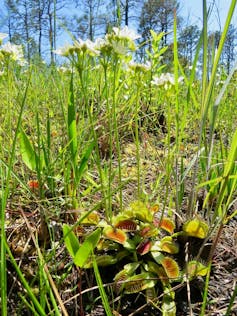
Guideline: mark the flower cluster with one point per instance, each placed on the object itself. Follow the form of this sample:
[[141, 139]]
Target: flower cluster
[[165, 79], [15, 52], [78, 47], [139, 67], [120, 41], [11, 51]]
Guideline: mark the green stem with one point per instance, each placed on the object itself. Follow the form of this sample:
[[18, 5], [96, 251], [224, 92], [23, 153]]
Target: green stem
[[115, 128]]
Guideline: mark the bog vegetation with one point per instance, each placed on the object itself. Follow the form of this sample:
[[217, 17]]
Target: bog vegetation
[[117, 178]]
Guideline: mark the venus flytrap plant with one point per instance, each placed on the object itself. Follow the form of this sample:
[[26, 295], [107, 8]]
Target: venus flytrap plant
[[147, 243]]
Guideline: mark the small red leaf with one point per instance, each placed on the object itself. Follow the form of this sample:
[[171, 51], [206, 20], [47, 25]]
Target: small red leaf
[[33, 184], [127, 225], [144, 247]]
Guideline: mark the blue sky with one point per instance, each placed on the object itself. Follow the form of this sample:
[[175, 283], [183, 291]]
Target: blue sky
[[193, 10]]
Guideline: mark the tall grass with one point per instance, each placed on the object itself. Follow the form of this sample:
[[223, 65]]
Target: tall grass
[[74, 131], [6, 174]]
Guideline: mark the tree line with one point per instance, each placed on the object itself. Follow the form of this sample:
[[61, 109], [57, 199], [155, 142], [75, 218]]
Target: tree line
[[38, 24]]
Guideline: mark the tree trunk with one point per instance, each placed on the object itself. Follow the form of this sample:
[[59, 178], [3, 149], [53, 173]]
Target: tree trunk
[[40, 31], [27, 33], [126, 12], [50, 32], [91, 22]]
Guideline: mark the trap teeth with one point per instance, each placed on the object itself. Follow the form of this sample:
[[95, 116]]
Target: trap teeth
[[127, 225], [115, 234]]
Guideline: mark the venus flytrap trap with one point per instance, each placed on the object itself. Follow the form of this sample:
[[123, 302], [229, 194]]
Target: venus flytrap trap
[[147, 244]]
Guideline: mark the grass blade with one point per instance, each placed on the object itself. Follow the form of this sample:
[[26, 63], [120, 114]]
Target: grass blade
[[87, 247], [84, 161], [103, 295], [71, 241], [72, 126], [28, 153], [25, 283]]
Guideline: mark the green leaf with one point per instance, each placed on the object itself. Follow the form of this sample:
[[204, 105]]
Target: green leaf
[[168, 303], [71, 241], [122, 276], [84, 161], [87, 247], [168, 245], [27, 151], [103, 294], [141, 212], [232, 156]]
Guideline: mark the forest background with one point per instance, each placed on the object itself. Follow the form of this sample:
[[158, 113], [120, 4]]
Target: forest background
[[41, 26]]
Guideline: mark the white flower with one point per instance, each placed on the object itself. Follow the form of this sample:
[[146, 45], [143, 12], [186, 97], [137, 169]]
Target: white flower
[[166, 80], [15, 52], [119, 48], [65, 69], [126, 33], [64, 51], [100, 42], [104, 45], [86, 46], [159, 81], [140, 67]]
